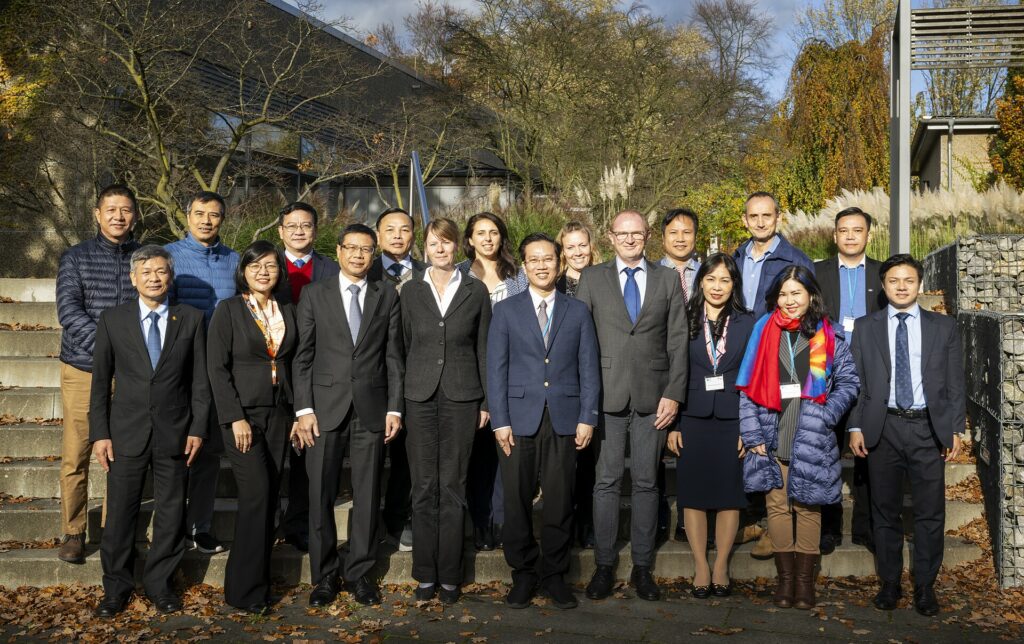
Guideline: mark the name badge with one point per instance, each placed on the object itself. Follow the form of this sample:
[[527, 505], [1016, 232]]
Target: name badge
[[714, 383], [848, 324], [790, 391]]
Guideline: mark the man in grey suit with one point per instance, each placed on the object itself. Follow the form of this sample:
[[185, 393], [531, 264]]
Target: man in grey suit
[[640, 317], [348, 373]]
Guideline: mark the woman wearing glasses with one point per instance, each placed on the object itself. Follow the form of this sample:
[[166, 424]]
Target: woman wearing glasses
[[249, 352]]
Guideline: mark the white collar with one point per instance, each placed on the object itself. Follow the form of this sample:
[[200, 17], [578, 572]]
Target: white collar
[[292, 258], [537, 299], [342, 279], [145, 310], [454, 279]]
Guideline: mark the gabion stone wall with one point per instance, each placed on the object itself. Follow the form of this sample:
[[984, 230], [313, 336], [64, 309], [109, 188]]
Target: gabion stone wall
[[983, 272]]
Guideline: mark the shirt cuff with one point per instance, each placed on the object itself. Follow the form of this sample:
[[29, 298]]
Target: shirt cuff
[[498, 429], [395, 413], [853, 429], [305, 411]]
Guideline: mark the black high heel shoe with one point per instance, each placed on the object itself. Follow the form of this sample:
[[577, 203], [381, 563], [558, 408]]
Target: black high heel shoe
[[701, 592], [718, 590]]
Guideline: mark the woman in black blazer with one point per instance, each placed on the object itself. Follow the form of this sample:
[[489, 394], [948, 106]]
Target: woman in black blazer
[[251, 342], [445, 316], [709, 470]]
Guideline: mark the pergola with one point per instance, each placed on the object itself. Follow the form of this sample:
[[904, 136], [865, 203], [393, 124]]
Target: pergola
[[949, 38]]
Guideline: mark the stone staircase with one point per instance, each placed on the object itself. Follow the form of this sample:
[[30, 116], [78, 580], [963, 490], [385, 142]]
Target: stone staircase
[[30, 509]]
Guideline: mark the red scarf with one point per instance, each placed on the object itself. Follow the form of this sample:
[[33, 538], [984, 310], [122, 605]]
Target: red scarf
[[763, 384]]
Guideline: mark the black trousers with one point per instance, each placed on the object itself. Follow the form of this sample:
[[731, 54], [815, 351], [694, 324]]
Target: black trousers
[[832, 515], [485, 494], [440, 440], [296, 515], [583, 489], [398, 495], [258, 479], [908, 447], [324, 465], [125, 482], [549, 459]]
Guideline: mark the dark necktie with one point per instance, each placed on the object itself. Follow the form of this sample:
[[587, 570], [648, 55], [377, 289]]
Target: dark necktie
[[396, 270], [631, 293], [904, 383], [542, 319], [153, 339], [684, 283], [299, 263], [355, 314]]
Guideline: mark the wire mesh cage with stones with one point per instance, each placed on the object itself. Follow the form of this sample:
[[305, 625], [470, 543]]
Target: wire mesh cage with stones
[[993, 346], [981, 272]]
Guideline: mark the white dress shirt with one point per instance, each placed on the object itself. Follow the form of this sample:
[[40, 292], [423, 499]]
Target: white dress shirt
[[640, 276], [307, 258], [537, 299], [161, 324], [449, 292]]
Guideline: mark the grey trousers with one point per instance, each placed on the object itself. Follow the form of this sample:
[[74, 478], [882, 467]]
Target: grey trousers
[[645, 446]]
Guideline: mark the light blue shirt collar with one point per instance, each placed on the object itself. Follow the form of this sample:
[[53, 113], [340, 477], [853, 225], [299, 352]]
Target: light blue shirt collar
[[145, 310], [621, 265], [914, 311], [749, 251]]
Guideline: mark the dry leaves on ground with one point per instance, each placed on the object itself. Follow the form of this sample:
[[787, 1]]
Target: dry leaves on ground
[[967, 490]]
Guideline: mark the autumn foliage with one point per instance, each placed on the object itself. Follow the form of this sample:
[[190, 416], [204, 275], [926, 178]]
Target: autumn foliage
[[1007, 148]]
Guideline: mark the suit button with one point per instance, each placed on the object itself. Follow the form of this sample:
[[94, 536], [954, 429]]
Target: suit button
[[441, 323], [440, 361], [547, 361], [545, 383]]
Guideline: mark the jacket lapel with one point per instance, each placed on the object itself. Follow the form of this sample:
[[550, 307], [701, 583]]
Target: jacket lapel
[[653, 272], [370, 304], [881, 334], [461, 295], [135, 330], [613, 284], [561, 304], [335, 302], [927, 343], [171, 332]]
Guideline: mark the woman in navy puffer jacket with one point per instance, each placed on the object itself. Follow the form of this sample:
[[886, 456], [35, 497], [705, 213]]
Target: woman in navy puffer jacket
[[796, 381]]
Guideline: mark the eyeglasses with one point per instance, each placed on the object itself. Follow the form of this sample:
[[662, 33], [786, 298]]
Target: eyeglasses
[[294, 228], [352, 248], [534, 262], [622, 236], [256, 268]]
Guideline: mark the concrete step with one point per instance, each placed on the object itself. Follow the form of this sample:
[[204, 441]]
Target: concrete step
[[32, 402], [29, 314], [40, 567], [40, 344], [30, 440], [28, 289], [29, 372]]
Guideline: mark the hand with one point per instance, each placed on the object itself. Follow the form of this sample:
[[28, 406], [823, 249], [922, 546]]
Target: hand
[[667, 410], [957, 445], [392, 425], [505, 439], [584, 434], [306, 428], [484, 419], [243, 435], [293, 436], [739, 447], [760, 450], [103, 450], [674, 443], [192, 446], [857, 444]]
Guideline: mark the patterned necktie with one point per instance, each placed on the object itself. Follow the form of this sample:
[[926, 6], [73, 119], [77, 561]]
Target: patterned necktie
[[396, 270], [904, 383], [631, 293], [542, 319], [684, 283], [299, 263], [355, 314], [153, 339]]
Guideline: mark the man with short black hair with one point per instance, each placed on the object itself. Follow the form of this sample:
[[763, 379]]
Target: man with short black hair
[[679, 239]]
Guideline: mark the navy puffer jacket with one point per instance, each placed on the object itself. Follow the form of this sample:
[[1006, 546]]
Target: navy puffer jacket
[[814, 468], [92, 277], [203, 275]]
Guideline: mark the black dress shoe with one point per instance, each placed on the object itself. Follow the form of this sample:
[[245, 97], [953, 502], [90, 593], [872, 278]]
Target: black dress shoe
[[364, 591], [601, 584], [588, 541], [644, 583], [701, 592], [449, 596], [425, 593], [111, 606], [925, 602], [829, 542], [497, 532], [559, 593], [721, 590], [167, 604], [866, 542], [888, 596], [521, 593], [680, 535], [298, 541], [325, 592], [257, 609], [483, 540]]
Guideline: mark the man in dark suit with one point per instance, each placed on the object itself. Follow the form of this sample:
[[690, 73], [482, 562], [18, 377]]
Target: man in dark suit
[[852, 289], [396, 232], [347, 374], [156, 419], [640, 317], [544, 384], [907, 422], [297, 227]]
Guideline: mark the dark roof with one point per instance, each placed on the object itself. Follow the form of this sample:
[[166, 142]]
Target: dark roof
[[928, 131]]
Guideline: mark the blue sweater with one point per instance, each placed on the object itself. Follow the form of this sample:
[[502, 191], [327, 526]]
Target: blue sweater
[[203, 275]]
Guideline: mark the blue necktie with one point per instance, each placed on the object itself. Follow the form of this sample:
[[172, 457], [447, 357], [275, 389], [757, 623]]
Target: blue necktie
[[153, 339], [632, 294], [355, 314], [904, 383], [299, 263], [396, 270]]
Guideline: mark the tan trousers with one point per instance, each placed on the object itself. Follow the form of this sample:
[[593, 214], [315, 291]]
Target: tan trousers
[[806, 536], [75, 452]]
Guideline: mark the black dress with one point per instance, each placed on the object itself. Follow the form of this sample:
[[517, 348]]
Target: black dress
[[709, 473]]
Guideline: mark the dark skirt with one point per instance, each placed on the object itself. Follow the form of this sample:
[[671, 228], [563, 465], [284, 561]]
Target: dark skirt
[[709, 473]]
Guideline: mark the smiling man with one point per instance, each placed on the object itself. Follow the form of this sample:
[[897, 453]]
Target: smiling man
[[679, 239], [396, 232]]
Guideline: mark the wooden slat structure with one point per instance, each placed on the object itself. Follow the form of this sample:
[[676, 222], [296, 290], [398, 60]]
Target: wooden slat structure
[[964, 37]]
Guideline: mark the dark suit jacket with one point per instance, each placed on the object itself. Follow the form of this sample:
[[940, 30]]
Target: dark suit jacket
[[523, 376], [377, 272], [450, 351], [701, 403], [165, 404], [644, 362], [323, 267], [330, 375], [238, 363], [942, 372], [827, 273]]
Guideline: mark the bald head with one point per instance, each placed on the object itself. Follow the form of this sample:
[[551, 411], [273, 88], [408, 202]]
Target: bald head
[[633, 218], [628, 236]]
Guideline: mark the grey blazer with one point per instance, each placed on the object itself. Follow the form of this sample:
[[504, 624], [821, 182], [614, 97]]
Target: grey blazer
[[644, 362]]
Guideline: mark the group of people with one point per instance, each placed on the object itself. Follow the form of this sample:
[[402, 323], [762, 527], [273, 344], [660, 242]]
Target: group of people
[[487, 382]]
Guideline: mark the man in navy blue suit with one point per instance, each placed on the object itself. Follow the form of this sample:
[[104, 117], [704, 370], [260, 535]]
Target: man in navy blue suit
[[543, 387]]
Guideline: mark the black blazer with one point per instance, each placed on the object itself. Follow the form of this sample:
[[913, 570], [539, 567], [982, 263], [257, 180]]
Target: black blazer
[[942, 372], [330, 375], [827, 273], [237, 360], [724, 404], [377, 272], [447, 351], [166, 404], [323, 268]]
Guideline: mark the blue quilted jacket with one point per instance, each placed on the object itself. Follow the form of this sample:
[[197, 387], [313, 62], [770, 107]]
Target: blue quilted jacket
[[91, 277], [203, 275], [814, 468]]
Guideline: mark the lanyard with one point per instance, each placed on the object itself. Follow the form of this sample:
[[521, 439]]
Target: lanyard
[[852, 280], [792, 358], [715, 353], [547, 325]]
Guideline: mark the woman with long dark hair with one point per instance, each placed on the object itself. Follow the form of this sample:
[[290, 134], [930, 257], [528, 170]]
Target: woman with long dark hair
[[796, 381], [709, 472]]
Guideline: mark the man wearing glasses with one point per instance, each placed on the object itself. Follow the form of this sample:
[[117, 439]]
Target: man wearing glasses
[[640, 317]]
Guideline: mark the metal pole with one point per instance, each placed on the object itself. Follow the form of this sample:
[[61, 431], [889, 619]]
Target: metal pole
[[899, 133]]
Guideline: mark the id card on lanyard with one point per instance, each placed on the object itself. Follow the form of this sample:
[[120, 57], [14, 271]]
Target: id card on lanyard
[[715, 353], [852, 282]]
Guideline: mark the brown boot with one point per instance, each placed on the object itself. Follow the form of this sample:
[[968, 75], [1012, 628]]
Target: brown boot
[[72, 549], [785, 563], [804, 597]]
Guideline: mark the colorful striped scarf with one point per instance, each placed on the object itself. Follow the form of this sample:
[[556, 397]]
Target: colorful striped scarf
[[759, 371]]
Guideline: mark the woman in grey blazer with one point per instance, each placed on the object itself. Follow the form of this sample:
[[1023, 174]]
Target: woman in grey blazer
[[445, 316]]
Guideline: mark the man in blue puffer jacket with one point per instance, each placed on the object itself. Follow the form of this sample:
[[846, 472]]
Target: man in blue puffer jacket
[[204, 274], [92, 276]]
